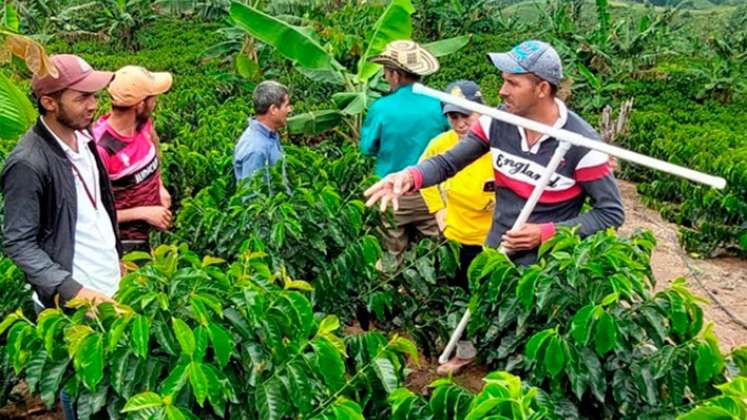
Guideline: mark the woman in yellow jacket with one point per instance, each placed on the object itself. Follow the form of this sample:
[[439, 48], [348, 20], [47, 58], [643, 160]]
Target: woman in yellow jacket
[[463, 205]]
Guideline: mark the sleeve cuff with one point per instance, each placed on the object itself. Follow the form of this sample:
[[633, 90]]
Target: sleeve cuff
[[417, 178], [547, 230], [69, 288]]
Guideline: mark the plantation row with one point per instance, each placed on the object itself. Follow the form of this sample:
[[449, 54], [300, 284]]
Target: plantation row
[[241, 309]]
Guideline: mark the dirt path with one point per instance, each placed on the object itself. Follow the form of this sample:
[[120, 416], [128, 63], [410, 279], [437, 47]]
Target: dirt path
[[725, 278]]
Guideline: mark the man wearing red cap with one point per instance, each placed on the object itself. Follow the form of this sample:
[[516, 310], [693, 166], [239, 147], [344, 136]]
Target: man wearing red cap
[[60, 223], [128, 147]]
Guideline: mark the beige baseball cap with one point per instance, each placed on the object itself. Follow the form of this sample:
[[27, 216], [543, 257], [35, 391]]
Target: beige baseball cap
[[133, 84]]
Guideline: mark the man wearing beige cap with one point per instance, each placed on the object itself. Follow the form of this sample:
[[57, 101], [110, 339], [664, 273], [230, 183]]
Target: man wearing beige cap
[[397, 129], [128, 146], [60, 223]]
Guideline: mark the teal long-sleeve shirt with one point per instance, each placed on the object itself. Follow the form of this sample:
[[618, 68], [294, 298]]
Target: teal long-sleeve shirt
[[398, 128]]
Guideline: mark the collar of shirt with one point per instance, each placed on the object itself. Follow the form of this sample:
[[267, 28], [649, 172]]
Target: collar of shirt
[[81, 137], [142, 129], [263, 129], [403, 89], [560, 122]]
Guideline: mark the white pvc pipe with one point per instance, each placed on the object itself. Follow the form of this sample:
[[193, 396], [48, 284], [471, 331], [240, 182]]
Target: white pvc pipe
[[557, 157], [573, 138]]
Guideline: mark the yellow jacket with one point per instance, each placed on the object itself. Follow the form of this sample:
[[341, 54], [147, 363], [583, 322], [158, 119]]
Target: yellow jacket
[[469, 209]]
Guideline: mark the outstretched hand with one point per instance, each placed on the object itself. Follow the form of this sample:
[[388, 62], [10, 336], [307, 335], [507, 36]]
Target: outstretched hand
[[391, 188]]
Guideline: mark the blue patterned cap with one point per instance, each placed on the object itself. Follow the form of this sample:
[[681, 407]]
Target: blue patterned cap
[[533, 56]]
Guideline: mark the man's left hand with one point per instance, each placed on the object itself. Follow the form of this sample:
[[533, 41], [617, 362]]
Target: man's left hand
[[525, 238]]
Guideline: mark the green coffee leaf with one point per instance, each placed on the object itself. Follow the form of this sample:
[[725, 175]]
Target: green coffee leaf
[[222, 343], [385, 371], [605, 338], [554, 356], [143, 401], [199, 382], [184, 336], [140, 335], [534, 345], [581, 325]]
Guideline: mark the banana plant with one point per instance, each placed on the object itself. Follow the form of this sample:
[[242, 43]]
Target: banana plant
[[360, 86], [17, 112], [601, 90]]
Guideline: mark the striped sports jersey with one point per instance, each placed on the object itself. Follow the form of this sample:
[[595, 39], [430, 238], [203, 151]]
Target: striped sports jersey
[[517, 168], [134, 169]]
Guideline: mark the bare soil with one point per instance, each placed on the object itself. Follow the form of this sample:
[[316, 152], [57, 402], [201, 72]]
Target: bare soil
[[723, 279], [27, 407]]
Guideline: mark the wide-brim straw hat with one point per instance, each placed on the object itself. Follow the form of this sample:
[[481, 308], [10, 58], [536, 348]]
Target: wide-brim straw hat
[[409, 56]]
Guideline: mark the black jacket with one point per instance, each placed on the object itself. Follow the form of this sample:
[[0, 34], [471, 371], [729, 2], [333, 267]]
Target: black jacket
[[41, 212]]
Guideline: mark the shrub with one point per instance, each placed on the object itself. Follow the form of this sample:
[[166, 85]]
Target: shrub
[[585, 326], [186, 332]]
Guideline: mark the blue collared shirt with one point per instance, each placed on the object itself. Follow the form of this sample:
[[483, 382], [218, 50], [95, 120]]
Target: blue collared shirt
[[257, 148]]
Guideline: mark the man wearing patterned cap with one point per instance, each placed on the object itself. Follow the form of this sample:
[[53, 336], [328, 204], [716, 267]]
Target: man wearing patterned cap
[[531, 73], [128, 146], [397, 129]]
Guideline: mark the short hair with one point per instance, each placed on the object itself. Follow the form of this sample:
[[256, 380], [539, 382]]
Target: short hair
[[39, 107], [538, 80], [404, 73], [268, 93]]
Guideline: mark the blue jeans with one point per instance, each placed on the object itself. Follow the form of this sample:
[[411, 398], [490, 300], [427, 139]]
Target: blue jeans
[[68, 410]]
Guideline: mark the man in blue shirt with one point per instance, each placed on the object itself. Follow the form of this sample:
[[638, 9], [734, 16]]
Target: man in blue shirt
[[259, 146]]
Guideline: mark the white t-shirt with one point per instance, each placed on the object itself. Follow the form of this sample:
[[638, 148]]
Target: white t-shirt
[[95, 259]]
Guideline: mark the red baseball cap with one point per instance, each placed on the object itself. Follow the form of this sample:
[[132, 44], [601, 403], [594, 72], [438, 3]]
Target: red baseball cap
[[74, 73]]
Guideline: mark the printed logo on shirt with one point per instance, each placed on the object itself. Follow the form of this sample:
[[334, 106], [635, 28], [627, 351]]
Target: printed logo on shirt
[[147, 171], [527, 171]]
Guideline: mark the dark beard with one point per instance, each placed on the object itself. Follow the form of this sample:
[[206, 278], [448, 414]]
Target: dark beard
[[141, 120], [65, 119]]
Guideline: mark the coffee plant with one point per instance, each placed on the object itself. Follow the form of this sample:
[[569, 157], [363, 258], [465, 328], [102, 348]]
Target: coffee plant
[[316, 228], [503, 396], [193, 338], [584, 325]]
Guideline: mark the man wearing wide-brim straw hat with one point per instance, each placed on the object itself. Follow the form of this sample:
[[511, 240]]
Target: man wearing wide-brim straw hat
[[397, 129]]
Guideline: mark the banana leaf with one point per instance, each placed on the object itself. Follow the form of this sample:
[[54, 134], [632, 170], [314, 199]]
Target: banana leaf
[[395, 23], [447, 46], [351, 103], [314, 122], [16, 111], [290, 41], [10, 20]]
